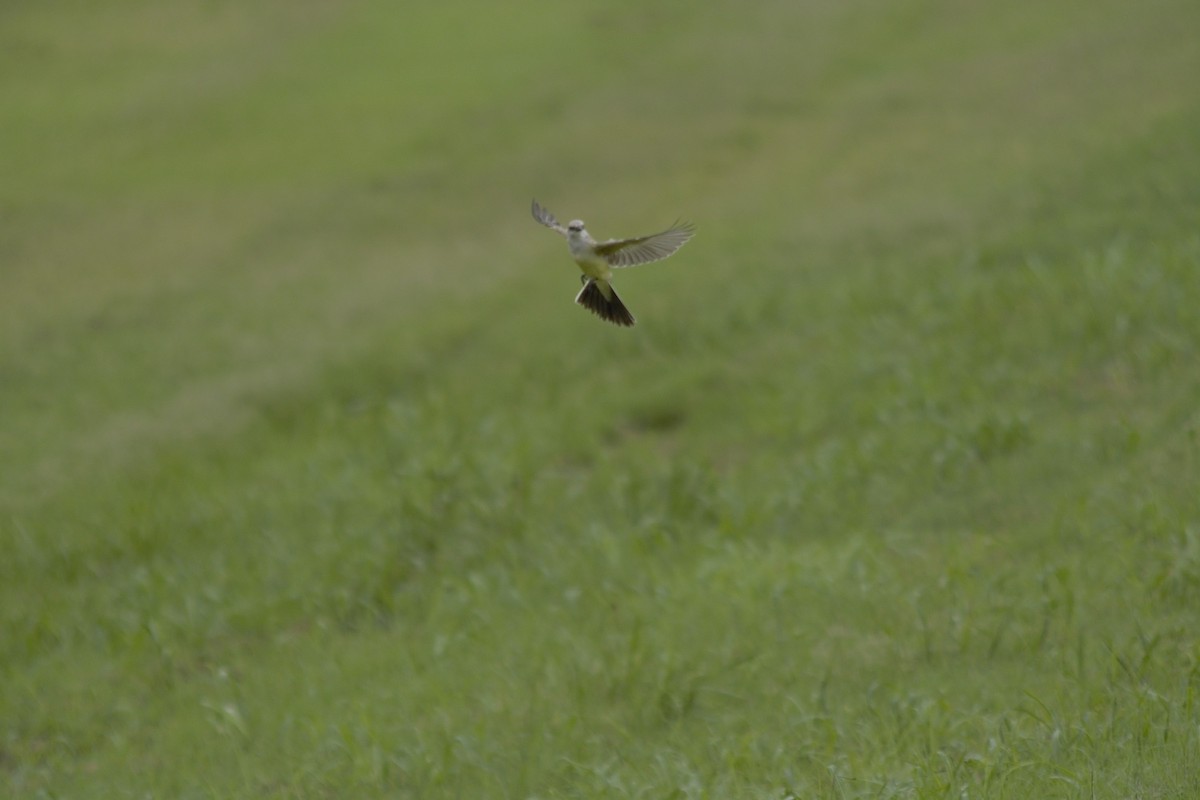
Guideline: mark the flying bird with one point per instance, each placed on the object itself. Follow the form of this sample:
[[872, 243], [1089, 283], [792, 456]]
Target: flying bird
[[598, 259]]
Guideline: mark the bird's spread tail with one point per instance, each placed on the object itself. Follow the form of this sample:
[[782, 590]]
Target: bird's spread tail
[[592, 297]]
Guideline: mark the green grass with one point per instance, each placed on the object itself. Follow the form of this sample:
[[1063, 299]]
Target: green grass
[[316, 484]]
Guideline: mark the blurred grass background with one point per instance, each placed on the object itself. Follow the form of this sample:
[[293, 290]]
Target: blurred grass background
[[315, 483]]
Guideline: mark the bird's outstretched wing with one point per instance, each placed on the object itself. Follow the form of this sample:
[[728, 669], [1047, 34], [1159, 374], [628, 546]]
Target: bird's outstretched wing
[[546, 218], [644, 249]]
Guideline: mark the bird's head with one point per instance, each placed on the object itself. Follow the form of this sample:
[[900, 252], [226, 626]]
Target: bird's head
[[575, 226]]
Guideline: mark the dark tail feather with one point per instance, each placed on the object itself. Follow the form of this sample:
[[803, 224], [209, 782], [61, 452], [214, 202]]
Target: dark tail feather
[[610, 308]]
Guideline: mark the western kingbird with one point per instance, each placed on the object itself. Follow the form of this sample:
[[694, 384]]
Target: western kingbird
[[597, 259]]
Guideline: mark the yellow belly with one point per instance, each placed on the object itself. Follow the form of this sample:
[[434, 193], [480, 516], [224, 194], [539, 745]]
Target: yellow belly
[[594, 267]]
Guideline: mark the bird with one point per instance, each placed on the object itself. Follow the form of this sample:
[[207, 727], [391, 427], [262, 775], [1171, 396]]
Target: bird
[[598, 259]]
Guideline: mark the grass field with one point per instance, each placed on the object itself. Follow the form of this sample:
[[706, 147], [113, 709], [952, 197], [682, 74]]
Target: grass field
[[315, 483]]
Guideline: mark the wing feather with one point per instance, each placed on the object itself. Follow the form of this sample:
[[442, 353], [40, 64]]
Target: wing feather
[[546, 218], [645, 249]]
